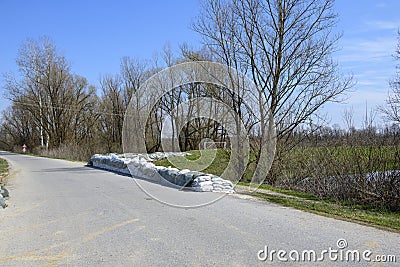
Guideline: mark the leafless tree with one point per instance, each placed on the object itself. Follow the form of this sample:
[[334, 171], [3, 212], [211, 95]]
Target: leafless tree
[[348, 118], [392, 108], [18, 127], [112, 111], [286, 47], [48, 91], [173, 98], [133, 73]]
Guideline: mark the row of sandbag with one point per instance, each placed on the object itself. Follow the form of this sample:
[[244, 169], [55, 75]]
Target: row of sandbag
[[139, 166]]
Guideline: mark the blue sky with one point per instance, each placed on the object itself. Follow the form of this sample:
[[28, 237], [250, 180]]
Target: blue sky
[[95, 35]]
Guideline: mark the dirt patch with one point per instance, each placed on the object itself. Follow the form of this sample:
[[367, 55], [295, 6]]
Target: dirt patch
[[3, 178]]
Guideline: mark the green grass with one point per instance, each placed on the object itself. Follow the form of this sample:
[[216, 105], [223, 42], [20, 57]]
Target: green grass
[[360, 214], [3, 166], [210, 161], [3, 171], [282, 191], [301, 162], [345, 211]]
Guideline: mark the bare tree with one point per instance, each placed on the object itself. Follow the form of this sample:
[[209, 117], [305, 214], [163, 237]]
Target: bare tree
[[286, 47], [348, 118], [133, 73], [172, 99], [18, 127], [392, 108], [48, 91], [48, 102], [112, 111]]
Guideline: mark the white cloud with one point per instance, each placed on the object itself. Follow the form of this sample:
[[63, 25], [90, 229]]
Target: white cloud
[[369, 58], [383, 25], [361, 101], [366, 50], [369, 83], [375, 74], [381, 5], [372, 97]]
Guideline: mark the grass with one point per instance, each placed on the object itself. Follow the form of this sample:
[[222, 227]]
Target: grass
[[300, 162], [3, 166], [209, 161], [3, 170], [359, 214], [362, 214], [282, 191]]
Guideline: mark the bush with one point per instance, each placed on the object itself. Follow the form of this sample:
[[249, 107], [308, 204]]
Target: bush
[[357, 175]]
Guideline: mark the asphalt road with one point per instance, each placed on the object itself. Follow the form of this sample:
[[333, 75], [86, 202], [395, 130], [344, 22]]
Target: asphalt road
[[65, 214]]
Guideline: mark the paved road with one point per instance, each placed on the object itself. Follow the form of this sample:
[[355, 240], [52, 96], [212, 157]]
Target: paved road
[[65, 214]]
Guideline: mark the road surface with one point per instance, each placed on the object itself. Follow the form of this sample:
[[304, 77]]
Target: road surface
[[65, 214]]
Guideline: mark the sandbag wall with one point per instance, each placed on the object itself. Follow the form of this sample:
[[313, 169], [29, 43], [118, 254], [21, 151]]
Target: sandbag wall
[[139, 165]]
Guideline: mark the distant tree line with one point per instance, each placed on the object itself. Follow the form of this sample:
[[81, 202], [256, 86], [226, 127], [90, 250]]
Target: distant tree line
[[52, 108]]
